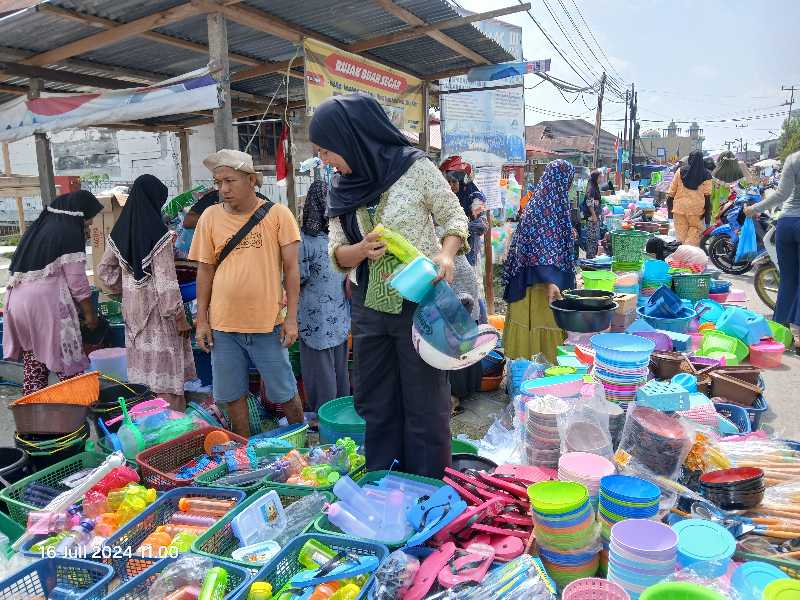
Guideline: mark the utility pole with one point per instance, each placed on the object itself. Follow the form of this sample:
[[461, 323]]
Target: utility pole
[[634, 111], [625, 129], [728, 145], [597, 122], [791, 99]]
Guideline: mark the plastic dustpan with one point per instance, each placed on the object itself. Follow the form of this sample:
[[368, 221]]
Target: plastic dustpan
[[434, 514], [111, 437]]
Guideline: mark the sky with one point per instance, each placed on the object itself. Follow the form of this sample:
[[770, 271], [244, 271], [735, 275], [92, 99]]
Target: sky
[[703, 60]]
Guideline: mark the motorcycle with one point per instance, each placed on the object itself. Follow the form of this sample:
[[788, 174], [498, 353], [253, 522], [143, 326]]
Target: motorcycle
[[722, 248], [767, 276], [708, 235]]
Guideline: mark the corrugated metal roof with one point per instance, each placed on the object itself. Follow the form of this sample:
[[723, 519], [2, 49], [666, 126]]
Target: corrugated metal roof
[[345, 21]]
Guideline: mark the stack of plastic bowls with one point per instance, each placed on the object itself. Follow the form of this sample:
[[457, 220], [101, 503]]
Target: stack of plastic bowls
[[585, 468], [624, 497], [542, 437], [621, 364], [566, 531], [654, 439], [701, 541], [641, 554]]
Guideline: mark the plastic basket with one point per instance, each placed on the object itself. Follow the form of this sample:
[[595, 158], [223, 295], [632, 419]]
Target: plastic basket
[[355, 474], [716, 341], [628, 244], [280, 570], [219, 541], [138, 587], [692, 287], [781, 334], [12, 530], [110, 308], [594, 588], [735, 414], [259, 419], [84, 579], [599, 280], [159, 463], [83, 390], [462, 447], [127, 539], [18, 509], [296, 435], [324, 526], [788, 566], [756, 412], [294, 359], [338, 419]]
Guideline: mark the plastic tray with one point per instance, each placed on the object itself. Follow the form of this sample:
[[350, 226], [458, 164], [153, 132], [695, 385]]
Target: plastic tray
[[51, 476], [324, 526], [127, 539], [86, 580], [219, 541], [138, 588], [158, 464], [283, 567]]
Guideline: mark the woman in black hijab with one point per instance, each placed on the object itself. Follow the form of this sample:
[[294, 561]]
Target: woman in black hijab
[[48, 277], [689, 199], [139, 264], [383, 179]]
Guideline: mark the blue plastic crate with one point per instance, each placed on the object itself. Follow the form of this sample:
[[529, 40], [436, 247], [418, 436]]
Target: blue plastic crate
[[285, 565], [126, 541], [84, 579], [663, 395], [139, 587], [735, 414]]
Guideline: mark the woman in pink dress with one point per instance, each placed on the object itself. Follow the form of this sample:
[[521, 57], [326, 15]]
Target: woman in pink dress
[[47, 279], [139, 264]]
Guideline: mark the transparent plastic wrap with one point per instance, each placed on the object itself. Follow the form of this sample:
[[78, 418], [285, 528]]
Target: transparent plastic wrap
[[703, 574], [395, 576], [519, 579], [538, 365], [771, 455], [299, 514], [188, 570], [783, 494], [584, 427], [503, 440], [542, 436], [654, 442]]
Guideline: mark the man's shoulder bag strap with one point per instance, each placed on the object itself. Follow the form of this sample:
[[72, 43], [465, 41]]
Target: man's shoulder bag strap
[[254, 220]]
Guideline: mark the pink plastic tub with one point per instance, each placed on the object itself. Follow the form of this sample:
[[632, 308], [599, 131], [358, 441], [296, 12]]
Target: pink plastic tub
[[767, 354]]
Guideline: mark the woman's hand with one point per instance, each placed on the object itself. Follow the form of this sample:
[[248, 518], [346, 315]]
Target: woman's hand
[[372, 247], [91, 321], [553, 293], [182, 325], [750, 211], [446, 267]]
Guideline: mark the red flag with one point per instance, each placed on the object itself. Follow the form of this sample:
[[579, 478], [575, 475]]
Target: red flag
[[281, 167]]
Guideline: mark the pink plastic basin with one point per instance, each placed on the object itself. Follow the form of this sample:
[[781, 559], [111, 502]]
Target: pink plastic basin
[[767, 354]]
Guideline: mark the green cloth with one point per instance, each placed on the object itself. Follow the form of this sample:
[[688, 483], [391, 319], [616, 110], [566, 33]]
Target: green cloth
[[379, 295], [719, 193]]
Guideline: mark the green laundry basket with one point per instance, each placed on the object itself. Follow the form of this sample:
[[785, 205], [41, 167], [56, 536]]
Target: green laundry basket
[[461, 447], [628, 244], [781, 334], [716, 344], [599, 280], [337, 419]]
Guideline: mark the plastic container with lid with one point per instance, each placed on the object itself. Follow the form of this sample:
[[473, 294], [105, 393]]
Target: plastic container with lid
[[767, 354], [704, 541], [261, 521], [110, 361]]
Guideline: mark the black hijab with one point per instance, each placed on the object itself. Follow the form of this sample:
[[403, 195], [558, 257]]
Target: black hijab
[[357, 128], [140, 232], [314, 220], [593, 185], [58, 231], [695, 173]]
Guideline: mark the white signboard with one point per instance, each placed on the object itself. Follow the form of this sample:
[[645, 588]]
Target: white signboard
[[488, 181]]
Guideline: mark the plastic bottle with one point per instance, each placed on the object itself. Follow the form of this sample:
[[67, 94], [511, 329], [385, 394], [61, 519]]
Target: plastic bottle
[[357, 501], [181, 518], [187, 592], [394, 526], [349, 523], [42, 522], [106, 524], [260, 590], [79, 536], [94, 504], [173, 530], [218, 507], [214, 584], [325, 590], [154, 544], [314, 554]]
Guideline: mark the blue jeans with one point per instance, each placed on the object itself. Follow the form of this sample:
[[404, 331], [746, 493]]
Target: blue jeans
[[787, 240], [231, 356]]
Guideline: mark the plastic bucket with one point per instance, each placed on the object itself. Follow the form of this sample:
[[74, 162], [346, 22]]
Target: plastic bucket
[[14, 464]]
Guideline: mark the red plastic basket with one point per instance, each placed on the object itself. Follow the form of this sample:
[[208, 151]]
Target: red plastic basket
[[159, 463]]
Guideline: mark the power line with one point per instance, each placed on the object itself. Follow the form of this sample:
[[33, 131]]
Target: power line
[[580, 14], [569, 39]]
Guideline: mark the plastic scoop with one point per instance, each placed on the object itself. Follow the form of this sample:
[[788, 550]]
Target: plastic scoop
[[130, 438]]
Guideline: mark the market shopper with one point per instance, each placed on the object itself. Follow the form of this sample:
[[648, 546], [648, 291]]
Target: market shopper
[[593, 213], [47, 279], [324, 314], [689, 199], [787, 240], [540, 264], [383, 179], [245, 248], [139, 264]]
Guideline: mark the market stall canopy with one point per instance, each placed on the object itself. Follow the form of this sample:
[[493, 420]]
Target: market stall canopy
[[767, 163], [126, 44]]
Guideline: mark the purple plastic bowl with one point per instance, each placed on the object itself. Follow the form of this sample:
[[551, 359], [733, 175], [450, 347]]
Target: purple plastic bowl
[[644, 537], [662, 340]]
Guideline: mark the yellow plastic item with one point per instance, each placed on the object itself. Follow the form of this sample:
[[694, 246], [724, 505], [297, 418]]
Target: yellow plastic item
[[396, 244], [347, 592]]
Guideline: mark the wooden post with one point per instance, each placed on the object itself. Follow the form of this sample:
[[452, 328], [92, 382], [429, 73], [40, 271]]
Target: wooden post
[[44, 158], [425, 133], [7, 172], [186, 173], [291, 192], [488, 275], [218, 54]]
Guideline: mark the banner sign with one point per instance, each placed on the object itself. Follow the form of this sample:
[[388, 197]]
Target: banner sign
[[191, 92], [333, 72], [507, 69]]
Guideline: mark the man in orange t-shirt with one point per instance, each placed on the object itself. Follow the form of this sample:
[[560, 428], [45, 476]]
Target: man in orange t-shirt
[[239, 300]]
